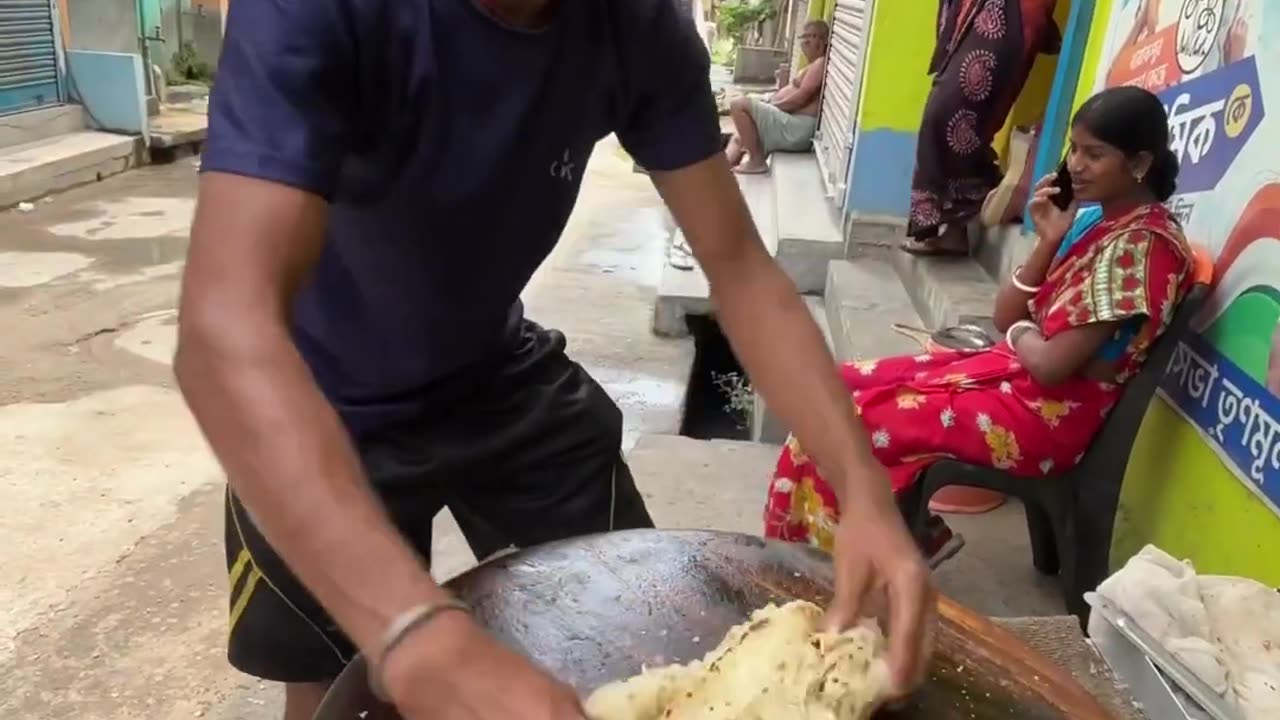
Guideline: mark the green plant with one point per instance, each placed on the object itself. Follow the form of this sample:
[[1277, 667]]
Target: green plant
[[737, 390], [723, 51], [188, 67], [740, 17]]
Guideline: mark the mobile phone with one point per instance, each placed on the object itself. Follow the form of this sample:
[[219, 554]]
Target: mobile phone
[[1066, 194]]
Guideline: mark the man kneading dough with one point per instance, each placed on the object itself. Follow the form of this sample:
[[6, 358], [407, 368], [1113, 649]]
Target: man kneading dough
[[777, 665]]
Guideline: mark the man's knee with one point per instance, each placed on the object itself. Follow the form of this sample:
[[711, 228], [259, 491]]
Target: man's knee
[[741, 104]]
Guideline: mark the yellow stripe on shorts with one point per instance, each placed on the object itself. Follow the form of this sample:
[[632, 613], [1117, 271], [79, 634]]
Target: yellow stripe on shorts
[[238, 567], [243, 600]]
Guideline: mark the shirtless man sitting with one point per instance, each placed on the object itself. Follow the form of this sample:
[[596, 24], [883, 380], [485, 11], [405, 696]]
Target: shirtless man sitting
[[788, 119]]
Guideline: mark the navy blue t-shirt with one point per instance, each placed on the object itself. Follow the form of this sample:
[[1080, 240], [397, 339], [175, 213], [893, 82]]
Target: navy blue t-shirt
[[451, 149]]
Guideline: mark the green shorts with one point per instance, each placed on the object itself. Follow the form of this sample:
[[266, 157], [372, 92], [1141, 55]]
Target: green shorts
[[780, 130]]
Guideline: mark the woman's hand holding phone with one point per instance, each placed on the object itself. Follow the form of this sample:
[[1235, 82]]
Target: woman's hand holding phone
[[1052, 209]]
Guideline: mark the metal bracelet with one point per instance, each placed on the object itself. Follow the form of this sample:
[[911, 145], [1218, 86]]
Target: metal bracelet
[[1010, 336], [399, 629], [1017, 282]]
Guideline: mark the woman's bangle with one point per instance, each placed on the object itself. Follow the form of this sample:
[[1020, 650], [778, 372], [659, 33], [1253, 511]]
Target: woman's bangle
[[1011, 335], [1017, 282], [400, 627]]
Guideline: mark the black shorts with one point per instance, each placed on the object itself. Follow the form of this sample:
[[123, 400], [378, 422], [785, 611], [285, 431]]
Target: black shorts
[[529, 455]]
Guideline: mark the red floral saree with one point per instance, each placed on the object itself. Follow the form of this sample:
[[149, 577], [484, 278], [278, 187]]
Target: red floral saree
[[985, 408]]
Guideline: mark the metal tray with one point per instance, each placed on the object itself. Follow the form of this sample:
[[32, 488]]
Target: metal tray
[[1165, 687]]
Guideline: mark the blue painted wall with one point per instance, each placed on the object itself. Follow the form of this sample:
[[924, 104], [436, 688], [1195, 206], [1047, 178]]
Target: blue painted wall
[[895, 85], [110, 86], [884, 160]]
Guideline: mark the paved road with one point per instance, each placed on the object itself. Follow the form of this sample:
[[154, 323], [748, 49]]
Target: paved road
[[113, 604]]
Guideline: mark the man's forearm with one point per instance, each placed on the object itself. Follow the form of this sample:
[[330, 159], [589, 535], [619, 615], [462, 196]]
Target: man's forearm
[[1011, 302], [1039, 261], [792, 102], [787, 359], [771, 329], [289, 460]]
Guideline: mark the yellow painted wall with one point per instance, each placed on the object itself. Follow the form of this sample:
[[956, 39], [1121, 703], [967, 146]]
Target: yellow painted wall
[[822, 9], [64, 17], [895, 83], [1178, 495], [1028, 109]]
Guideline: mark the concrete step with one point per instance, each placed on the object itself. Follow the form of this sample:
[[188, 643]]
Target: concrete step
[[176, 125], [864, 299], [797, 223], [818, 310], [722, 484], [765, 426], [41, 124], [875, 233], [682, 293], [35, 169], [947, 291], [809, 233], [1000, 249], [703, 484], [179, 94]]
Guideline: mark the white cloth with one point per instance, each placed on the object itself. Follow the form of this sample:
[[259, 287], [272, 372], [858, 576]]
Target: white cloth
[[1226, 630], [1245, 618]]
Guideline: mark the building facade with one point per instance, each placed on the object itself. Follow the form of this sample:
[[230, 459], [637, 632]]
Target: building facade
[[31, 59], [1203, 481]]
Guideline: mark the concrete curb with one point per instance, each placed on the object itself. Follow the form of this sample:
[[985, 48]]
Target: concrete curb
[[36, 169]]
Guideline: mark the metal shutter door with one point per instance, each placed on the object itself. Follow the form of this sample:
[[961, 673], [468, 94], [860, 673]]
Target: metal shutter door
[[840, 93], [28, 55]]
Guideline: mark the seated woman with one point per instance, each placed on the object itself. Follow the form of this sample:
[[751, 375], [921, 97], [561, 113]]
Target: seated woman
[[1079, 317]]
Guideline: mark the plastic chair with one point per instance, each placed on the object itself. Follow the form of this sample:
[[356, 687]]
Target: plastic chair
[[1071, 515]]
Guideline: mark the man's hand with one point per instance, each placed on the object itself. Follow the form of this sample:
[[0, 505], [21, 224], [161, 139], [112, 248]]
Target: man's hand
[[784, 352], [799, 95], [880, 573], [451, 669], [781, 75]]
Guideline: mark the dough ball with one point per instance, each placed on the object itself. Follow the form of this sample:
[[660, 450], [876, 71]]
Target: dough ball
[[776, 665], [643, 697]]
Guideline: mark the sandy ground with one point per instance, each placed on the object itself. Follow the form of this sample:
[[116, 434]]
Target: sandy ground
[[115, 600], [114, 604]]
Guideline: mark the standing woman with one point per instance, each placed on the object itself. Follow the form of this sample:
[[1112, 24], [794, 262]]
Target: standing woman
[[985, 52]]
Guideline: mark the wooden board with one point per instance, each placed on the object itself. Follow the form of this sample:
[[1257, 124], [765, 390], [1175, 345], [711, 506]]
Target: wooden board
[[595, 609]]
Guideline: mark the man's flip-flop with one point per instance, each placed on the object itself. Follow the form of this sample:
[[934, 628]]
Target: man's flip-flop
[[928, 249], [751, 171], [679, 255]]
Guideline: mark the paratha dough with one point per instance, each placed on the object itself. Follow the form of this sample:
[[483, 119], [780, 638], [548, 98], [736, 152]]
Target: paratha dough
[[776, 666]]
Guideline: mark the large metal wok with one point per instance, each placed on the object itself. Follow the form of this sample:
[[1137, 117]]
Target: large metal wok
[[595, 609]]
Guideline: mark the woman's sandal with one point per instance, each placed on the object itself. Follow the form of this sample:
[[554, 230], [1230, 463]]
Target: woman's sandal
[[942, 544]]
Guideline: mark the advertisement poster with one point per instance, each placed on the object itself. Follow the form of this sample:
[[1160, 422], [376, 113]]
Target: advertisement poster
[[1220, 82]]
